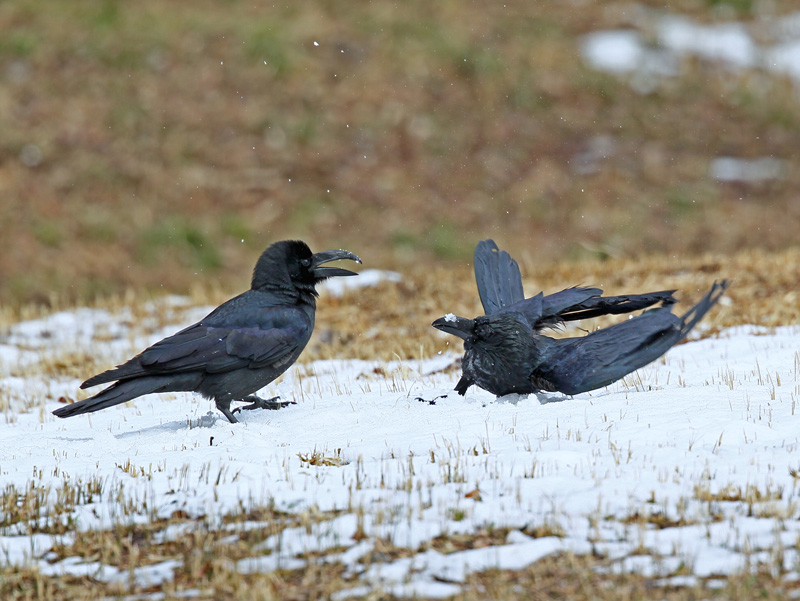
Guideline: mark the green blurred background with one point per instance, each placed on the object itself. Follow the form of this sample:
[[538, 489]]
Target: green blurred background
[[158, 144]]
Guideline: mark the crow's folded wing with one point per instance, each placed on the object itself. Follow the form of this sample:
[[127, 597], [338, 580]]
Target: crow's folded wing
[[219, 348]]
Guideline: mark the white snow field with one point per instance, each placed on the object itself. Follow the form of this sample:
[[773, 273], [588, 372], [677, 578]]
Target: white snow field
[[689, 463]]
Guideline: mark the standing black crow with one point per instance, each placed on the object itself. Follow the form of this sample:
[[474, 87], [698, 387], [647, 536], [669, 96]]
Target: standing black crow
[[504, 351], [238, 348]]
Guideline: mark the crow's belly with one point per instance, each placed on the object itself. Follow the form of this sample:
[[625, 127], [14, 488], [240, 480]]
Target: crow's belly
[[239, 383], [498, 376]]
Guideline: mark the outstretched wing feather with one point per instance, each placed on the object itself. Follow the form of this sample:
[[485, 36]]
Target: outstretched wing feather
[[497, 276]]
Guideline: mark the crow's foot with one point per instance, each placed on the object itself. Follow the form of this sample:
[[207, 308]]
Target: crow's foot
[[259, 403]]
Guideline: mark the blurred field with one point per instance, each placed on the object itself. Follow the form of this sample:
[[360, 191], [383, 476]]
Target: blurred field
[[161, 146]]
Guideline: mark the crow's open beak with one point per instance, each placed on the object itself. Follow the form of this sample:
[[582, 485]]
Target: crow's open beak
[[327, 256], [457, 326]]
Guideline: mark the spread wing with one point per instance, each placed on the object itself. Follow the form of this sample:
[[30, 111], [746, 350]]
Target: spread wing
[[578, 303], [497, 276], [500, 288]]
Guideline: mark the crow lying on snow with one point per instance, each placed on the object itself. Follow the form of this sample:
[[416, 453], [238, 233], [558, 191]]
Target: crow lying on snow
[[504, 351], [238, 348]]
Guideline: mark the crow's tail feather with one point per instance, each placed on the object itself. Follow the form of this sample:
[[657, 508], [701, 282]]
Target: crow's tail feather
[[114, 395], [660, 343], [696, 313]]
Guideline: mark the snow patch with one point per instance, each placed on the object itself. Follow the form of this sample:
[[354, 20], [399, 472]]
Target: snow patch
[[365, 279], [675, 37], [729, 169]]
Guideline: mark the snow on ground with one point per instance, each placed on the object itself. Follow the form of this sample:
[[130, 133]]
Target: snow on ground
[[704, 443]]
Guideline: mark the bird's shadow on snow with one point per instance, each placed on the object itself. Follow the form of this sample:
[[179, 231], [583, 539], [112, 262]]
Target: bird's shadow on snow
[[437, 396], [546, 399], [543, 398], [209, 420], [75, 439]]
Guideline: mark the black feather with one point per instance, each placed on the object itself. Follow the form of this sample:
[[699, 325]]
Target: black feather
[[238, 348], [505, 352]]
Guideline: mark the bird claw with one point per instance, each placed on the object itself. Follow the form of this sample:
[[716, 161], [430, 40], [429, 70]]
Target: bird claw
[[258, 403], [430, 401]]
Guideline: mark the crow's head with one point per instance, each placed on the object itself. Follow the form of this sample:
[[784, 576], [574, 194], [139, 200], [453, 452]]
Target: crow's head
[[457, 326], [290, 264], [496, 329]]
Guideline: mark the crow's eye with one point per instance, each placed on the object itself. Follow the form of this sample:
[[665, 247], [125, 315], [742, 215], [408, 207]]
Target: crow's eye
[[305, 262]]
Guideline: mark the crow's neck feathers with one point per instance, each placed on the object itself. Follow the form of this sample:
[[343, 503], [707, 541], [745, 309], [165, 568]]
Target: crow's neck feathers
[[282, 269]]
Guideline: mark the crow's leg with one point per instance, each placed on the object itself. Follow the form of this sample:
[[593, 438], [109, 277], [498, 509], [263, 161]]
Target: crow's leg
[[259, 403], [225, 408]]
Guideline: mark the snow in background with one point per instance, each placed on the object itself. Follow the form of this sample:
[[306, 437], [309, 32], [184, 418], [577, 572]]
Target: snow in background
[[365, 279], [659, 45], [664, 40]]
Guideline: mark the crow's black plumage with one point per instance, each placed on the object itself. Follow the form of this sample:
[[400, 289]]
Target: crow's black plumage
[[504, 351], [238, 348]]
